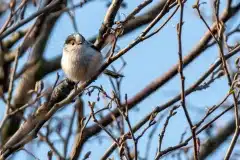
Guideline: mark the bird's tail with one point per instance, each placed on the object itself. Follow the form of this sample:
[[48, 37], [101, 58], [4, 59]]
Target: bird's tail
[[112, 74]]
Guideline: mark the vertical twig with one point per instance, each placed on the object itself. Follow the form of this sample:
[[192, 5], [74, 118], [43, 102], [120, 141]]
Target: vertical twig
[[161, 136], [126, 117], [179, 34], [69, 133], [10, 89], [225, 67]]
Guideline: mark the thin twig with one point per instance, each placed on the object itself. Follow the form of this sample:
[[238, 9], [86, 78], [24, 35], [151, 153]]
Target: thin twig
[[69, 133], [136, 10], [34, 15], [171, 114], [10, 90], [179, 33], [223, 59]]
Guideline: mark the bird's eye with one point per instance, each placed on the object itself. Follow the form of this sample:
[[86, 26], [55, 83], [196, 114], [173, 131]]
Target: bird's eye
[[72, 42]]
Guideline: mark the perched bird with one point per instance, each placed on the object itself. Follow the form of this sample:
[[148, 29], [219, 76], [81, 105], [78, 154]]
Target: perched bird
[[81, 60]]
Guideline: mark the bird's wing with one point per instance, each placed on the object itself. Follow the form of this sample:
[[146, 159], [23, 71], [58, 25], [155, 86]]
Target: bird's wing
[[94, 47]]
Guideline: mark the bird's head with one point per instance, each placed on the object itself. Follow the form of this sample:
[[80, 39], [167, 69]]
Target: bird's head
[[74, 41]]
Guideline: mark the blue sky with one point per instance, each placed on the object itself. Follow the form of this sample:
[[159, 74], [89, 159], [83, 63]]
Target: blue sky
[[146, 62]]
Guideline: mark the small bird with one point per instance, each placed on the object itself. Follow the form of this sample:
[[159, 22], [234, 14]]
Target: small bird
[[81, 59]]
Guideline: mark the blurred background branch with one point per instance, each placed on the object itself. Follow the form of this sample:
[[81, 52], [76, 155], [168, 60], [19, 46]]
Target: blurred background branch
[[52, 110]]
